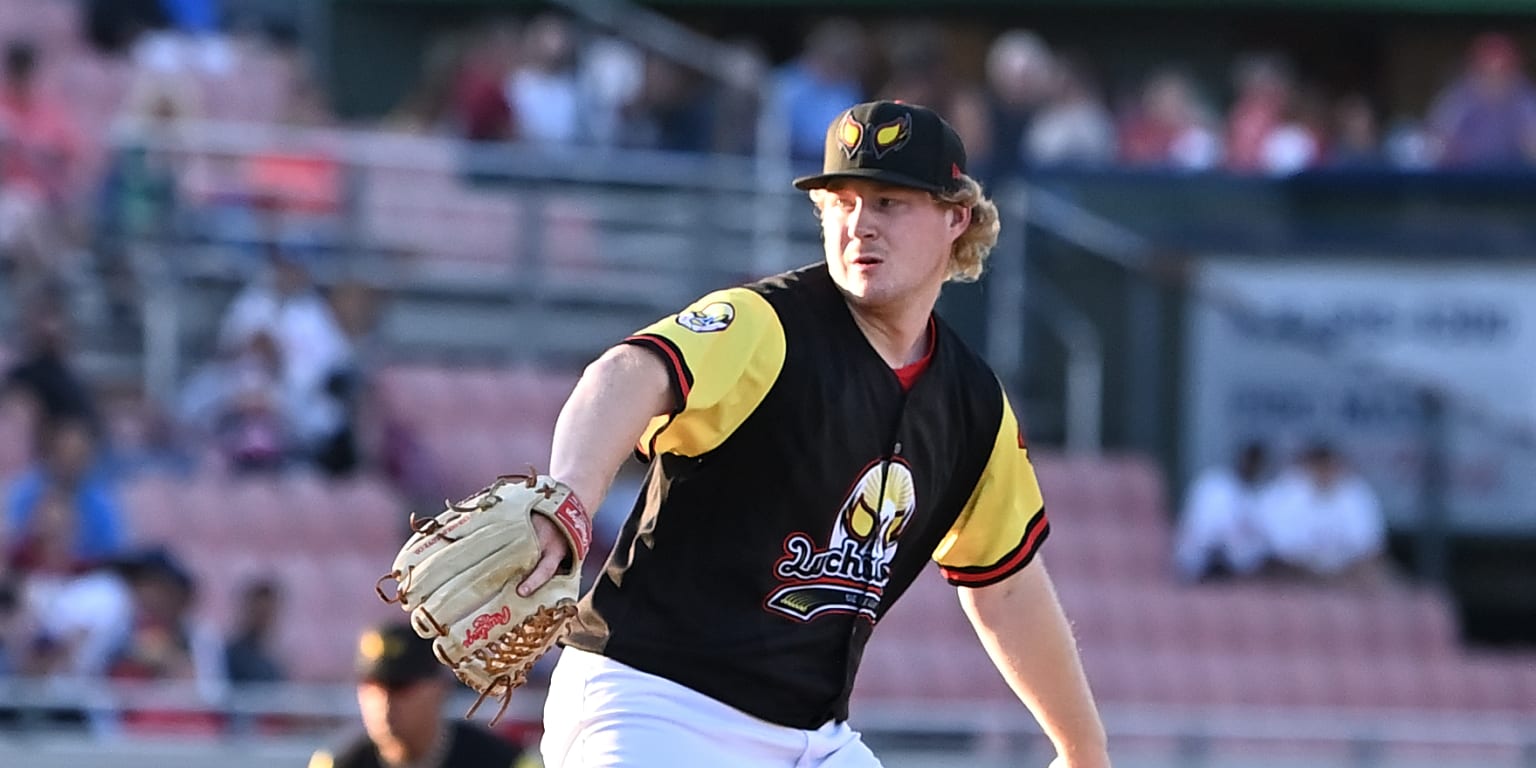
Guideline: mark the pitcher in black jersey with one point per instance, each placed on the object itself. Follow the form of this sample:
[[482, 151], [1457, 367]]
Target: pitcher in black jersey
[[813, 439]]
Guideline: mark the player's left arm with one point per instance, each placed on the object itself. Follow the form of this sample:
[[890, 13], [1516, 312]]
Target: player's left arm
[[992, 555], [1022, 626]]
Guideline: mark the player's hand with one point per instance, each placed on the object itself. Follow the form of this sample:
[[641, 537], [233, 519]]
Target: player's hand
[[553, 550]]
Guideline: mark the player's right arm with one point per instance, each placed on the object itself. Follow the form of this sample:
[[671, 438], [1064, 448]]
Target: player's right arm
[[681, 386], [615, 399]]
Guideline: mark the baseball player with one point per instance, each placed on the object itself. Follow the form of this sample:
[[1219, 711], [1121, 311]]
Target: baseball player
[[400, 691], [813, 440]]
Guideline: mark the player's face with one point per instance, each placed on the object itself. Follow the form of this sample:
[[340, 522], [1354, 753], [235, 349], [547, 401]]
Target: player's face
[[401, 719], [887, 244]]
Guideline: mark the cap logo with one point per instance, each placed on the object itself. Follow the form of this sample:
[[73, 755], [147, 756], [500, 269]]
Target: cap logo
[[892, 136], [372, 646], [850, 134]]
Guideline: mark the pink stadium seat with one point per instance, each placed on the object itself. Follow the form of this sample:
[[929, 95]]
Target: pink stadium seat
[[1141, 491], [929, 608], [1074, 487], [1112, 489], [151, 508], [373, 514], [415, 393], [932, 672], [255, 512], [1418, 622]]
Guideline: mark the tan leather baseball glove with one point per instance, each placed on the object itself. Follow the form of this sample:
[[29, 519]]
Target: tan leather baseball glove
[[457, 576]]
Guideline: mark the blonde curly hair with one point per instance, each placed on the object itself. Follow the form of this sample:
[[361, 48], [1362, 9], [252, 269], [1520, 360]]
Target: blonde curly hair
[[968, 255]]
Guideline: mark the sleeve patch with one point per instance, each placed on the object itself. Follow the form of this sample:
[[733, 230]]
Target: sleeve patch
[[713, 317]]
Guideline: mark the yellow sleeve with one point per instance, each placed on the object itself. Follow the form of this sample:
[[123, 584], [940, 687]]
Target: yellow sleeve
[[724, 353], [1003, 524], [321, 759]]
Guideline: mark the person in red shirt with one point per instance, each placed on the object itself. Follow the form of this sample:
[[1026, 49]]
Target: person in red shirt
[[40, 151], [41, 141]]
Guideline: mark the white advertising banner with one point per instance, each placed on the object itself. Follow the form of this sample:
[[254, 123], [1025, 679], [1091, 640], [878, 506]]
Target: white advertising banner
[[1290, 351]]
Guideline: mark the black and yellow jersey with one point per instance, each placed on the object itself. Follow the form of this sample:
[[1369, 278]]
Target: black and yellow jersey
[[795, 492]]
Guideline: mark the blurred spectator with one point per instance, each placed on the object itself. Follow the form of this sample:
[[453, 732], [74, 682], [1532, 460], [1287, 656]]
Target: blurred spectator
[[1321, 519], [428, 106], [63, 516], [113, 25], [1073, 127], [613, 81], [1265, 89], [1019, 76], [143, 181], [76, 623], [738, 100], [1219, 532], [64, 528], [1408, 144], [193, 16], [461, 90], [1487, 117], [356, 308], [163, 642], [1356, 141], [144, 437], [305, 100], [1170, 127], [190, 42], [42, 140], [481, 108], [401, 690], [237, 402], [1297, 142], [310, 346], [544, 90], [920, 74], [248, 655], [671, 111], [40, 167], [143, 184], [44, 376], [820, 83], [16, 631]]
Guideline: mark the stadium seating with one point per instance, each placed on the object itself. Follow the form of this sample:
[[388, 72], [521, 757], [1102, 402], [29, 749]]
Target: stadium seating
[[326, 542], [476, 423], [1148, 640]]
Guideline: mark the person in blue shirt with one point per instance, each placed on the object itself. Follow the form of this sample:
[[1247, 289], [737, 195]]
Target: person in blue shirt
[[64, 513]]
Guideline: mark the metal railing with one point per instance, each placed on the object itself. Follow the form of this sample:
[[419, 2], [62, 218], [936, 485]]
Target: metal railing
[[574, 247]]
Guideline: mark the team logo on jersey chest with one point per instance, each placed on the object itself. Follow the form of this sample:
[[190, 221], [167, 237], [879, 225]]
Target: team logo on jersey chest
[[712, 317], [850, 575]]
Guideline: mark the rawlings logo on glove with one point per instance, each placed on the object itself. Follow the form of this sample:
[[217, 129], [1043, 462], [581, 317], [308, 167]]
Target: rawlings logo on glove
[[458, 576], [481, 629]]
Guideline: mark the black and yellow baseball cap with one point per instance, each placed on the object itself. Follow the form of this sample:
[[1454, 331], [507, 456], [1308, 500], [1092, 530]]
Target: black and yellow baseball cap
[[392, 655], [892, 142]]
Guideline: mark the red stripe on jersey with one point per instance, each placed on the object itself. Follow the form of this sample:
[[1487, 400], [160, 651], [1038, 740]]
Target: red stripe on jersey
[[1018, 558], [679, 370]]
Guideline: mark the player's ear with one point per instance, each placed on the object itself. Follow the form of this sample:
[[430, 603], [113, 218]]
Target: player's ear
[[959, 217]]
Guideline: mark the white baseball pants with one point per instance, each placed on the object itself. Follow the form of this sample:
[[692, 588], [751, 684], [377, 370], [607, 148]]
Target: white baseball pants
[[603, 714]]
